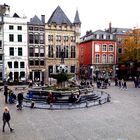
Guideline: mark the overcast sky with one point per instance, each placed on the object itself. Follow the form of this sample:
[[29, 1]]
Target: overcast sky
[[94, 14]]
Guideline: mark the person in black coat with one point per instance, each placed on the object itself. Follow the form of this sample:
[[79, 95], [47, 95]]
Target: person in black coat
[[6, 93], [20, 99], [6, 118]]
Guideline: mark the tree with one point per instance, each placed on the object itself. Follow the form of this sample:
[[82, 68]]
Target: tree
[[131, 47]]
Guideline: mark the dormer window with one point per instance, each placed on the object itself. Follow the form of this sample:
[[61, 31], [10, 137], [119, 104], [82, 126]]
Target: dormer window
[[104, 36], [97, 36], [111, 36]]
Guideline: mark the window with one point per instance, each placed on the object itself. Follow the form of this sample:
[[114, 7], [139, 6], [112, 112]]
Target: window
[[0, 57], [65, 51], [65, 38], [41, 37], [0, 44], [31, 62], [36, 52], [36, 62], [19, 27], [31, 52], [97, 47], [72, 38], [58, 38], [50, 37], [103, 48], [22, 74], [36, 38], [19, 38], [50, 51], [42, 62], [97, 36], [10, 64], [42, 52], [22, 64], [11, 51], [104, 37], [31, 38], [58, 50], [50, 70], [110, 59], [41, 29], [56, 68], [120, 50], [30, 28], [111, 37], [103, 58], [15, 64], [72, 69], [97, 58], [11, 27], [36, 28], [0, 75], [73, 53], [11, 37], [19, 51], [110, 48]]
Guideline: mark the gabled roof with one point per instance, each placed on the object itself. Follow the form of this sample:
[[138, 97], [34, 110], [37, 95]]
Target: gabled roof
[[36, 21], [77, 19], [58, 17], [16, 15]]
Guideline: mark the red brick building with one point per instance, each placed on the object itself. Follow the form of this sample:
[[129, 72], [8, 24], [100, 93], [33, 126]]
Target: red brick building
[[97, 54]]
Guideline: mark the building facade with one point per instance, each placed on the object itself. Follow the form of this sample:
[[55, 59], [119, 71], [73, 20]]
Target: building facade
[[1, 48], [15, 47], [36, 48], [61, 36], [97, 54]]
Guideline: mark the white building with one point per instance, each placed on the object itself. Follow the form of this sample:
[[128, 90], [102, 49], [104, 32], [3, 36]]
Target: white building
[[1, 48], [15, 47]]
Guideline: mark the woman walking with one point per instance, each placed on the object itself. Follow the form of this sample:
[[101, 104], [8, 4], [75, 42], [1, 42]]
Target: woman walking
[[6, 118]]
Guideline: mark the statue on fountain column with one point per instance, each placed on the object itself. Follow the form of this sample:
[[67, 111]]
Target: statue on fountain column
[[62, 55]]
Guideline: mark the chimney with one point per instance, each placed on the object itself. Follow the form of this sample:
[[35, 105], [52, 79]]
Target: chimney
[[110, 27], [43, 18]]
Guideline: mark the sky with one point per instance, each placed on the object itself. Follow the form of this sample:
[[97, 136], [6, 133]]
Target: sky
[[94, 14]]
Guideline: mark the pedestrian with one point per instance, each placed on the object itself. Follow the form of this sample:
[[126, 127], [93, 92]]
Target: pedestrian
[[6, 93], [20, 100], [6, 118], [124, 85]]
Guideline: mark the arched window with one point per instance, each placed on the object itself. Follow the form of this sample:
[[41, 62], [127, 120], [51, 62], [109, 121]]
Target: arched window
[[104, 58], [110, 58], [97, 58]]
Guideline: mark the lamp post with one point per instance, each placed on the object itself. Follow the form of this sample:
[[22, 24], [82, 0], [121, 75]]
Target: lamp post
[[92, 69]]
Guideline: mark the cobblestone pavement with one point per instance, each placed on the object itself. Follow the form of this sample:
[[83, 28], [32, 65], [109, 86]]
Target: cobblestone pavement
[[117, 120]]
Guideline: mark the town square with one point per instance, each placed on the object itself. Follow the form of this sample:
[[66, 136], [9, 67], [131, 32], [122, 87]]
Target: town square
[[65, 78]]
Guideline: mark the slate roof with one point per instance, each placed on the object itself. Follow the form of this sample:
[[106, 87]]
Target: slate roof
[[35, 21], [59, 17], [120, 31], [77, 19], [100, 33]]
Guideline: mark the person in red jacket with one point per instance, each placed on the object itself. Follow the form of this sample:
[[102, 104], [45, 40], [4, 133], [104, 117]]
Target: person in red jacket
[[6, 118]]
